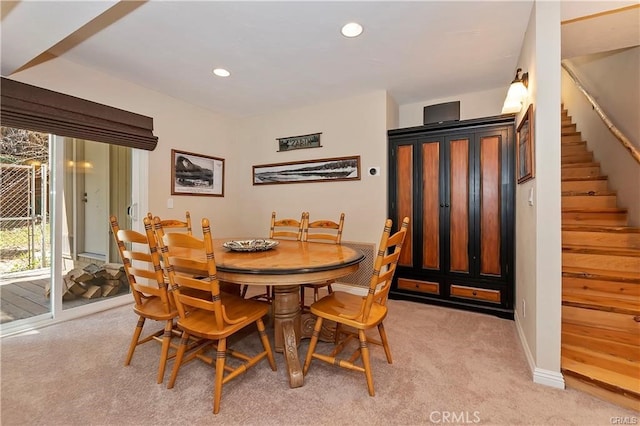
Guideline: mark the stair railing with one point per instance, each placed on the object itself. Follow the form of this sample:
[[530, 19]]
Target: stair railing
[[616, 132]]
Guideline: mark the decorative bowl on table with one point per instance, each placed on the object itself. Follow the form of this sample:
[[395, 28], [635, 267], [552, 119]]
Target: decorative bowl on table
[[250, 245]]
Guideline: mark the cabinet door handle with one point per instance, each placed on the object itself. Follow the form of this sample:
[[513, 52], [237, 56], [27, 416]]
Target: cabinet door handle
[[446, 205], [441, 204]]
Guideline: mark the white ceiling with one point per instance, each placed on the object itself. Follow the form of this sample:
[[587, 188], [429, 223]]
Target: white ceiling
[[287, 54]]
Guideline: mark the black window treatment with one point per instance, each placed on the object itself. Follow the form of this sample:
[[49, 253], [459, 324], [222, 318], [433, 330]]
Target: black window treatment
[[34, 108]]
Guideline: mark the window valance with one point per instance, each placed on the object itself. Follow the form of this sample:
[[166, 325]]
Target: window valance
[[29, 107]]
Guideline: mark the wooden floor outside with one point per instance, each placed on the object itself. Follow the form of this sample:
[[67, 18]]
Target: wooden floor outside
[[23, 296]]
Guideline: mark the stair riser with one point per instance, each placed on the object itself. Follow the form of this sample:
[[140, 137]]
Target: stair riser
[[573, 149], [620, 350], [601, 325], [589, 201], [615, 336], [577, 158], [618, 365], [584, 172], [627, 290], [571, 138], [603, 261], [569, 130], [586, 218], [602, 239], [584, 186]]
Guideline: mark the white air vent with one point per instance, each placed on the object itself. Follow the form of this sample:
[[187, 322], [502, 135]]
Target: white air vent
[[359, 280]]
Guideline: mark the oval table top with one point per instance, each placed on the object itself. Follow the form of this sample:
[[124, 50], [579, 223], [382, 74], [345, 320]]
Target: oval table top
[[290, 262]]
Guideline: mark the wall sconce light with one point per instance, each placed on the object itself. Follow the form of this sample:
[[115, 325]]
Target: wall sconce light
[[517, 93]]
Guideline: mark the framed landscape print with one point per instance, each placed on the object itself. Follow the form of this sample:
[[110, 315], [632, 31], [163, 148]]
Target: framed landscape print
[[321, 170], [524, 148], [196, 174]]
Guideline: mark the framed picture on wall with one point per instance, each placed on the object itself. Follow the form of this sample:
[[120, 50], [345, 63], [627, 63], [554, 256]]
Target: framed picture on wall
[[321, 170], [525, 166], [196, 174]]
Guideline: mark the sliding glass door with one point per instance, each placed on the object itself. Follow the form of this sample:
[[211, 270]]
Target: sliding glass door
[[79, 272]]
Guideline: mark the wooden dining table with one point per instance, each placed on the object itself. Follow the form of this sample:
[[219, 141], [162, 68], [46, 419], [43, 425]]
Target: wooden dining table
[[285, 267]]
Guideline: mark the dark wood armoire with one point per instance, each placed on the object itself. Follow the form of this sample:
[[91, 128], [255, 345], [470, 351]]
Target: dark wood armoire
[[455, 180]]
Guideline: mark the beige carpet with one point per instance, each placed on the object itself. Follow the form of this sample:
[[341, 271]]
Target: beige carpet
[[450, 367]]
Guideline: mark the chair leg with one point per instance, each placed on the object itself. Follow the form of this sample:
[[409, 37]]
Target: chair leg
[[265, 343], [315, 294], [164, 354], [385, 343], [244, 290], [364, 351], [184, 341], [302, 306], [220, 359], [312, 345], [134, 340]]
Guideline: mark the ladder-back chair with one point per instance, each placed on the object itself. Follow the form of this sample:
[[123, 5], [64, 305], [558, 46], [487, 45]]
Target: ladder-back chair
[[212, 319], [325, 231], [148, 287], [279, 229], [174, 225], [360, 313]]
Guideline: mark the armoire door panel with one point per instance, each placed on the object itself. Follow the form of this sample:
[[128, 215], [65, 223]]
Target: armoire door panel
[[404, 196], [431, 205], [458, 205], [490, 206]]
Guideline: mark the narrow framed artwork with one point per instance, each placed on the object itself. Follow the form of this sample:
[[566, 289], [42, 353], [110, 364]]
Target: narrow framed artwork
[[299, 142], [321, 170], [196, 174], [525, 166]]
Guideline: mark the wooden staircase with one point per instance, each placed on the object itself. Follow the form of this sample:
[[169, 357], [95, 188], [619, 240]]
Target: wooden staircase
[[600, 280]]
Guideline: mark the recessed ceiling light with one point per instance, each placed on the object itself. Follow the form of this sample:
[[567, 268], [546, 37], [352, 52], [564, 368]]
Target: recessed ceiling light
[[221, 72], [352, 29]]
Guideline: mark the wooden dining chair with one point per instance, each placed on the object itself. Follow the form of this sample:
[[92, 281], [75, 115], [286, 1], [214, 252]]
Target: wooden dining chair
[[355, 314], [148, 287], [324, 231], [213, 319], [279, 229], [162, 226], [175, 225]]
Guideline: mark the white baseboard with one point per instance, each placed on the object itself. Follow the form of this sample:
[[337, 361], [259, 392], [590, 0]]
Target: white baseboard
[[541, 376]]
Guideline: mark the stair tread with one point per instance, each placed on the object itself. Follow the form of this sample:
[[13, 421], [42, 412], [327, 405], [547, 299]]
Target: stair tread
[[583, 178], [612, 251], [585, 164], [602, 228], [601, 274], [609, 379], [594, 210], [588, 193]]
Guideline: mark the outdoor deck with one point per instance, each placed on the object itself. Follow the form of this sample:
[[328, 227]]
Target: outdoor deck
[[23, 296]]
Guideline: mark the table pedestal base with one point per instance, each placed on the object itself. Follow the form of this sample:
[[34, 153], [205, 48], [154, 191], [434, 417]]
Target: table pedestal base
[[286, 321]]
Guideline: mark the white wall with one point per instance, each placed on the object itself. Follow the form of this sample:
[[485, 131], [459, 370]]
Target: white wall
[[619, 98], [538, 227], [354, 126], [472, 105], [177, 124]]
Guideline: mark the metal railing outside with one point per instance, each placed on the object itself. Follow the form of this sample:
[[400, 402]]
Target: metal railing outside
[[24, 219]]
